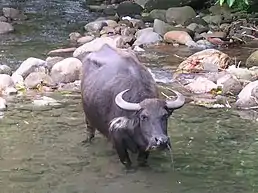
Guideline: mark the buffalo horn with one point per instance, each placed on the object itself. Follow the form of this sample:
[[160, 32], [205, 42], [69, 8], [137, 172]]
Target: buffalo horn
[[126, 105], [175, 104]]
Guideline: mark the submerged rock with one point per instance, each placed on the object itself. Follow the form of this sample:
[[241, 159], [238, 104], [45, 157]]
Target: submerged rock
[[45, 101]]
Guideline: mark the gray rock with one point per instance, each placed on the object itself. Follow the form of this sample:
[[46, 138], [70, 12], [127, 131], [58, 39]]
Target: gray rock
[[5, 28], [85, 39], [4, 69], [252, 60], [95, 26], [3, 19], [147, 37], [128, 8], [213, 19], [230, 85], [45, 101], [158, 14], [201, 85], [240, 73], [179, 15]]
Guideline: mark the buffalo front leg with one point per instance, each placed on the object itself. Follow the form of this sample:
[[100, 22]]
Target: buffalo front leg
[[142, 158]]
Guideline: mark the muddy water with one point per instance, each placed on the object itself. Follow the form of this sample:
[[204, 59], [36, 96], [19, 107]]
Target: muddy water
[[41, 150]]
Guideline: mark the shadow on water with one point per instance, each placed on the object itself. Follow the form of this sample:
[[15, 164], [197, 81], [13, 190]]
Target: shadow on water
[[40, 148]]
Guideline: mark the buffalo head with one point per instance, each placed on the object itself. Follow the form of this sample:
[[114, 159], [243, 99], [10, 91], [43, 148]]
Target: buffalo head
[[148, 125]]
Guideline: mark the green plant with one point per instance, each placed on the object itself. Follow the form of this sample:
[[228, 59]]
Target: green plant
[[238, 3]]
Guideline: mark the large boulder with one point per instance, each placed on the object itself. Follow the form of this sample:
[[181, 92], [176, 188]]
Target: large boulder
[[128, 8], [179, 15], [5, 27], [248, 97], [201, 85], [67, 70], [209, 60]]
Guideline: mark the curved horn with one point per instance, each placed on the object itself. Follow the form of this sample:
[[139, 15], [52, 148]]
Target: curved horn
[[126, 105], [176, 104]]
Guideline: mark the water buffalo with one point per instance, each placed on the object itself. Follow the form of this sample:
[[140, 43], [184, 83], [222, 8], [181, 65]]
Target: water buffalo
[[120, 100]]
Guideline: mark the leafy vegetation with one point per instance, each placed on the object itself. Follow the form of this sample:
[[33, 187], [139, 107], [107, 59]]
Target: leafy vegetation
[[239, 4]]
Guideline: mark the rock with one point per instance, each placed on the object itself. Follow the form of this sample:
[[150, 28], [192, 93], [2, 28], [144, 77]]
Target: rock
[[149, 5], [127, 31], [213, 19], [3, 104], [17, 79], [63, 52], [252, 60], [230, 85], [192, 26], [67, 70], [247, 97], [205, 44], [5, 81], [5, 28], [161, 27], [240, 73], [137, 23], [217, 34], [179, 15], [128, 8], [73, 86], [74, 36], [201, 85], [95, 26], [85, 39], [147, 37], [180, 37], [10, 91], [37, 78], [11, 13], [208, 60], [159, 14], [28, 66], [110, 10], [4, 69], [51, 61], [3, 19], [196, 20], [96, 44], [45, 101]]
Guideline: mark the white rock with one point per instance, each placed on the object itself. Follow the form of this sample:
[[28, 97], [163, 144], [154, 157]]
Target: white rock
[[5, 81], [96, 44], [67, 70], [17, 79], [28, 66], [201, 85], [3, 104], [240, 73]]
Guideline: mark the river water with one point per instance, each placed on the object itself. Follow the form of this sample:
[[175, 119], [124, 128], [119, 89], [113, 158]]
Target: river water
[[41, 151]]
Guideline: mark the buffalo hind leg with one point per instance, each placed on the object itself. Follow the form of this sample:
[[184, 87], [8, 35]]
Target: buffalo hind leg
[[142, 158], [90, 132]]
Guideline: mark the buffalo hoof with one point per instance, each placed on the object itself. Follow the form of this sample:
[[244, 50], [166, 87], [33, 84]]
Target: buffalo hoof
[[88, 140]]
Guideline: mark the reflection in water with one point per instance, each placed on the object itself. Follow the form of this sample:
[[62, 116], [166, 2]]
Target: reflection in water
[[41, 151]]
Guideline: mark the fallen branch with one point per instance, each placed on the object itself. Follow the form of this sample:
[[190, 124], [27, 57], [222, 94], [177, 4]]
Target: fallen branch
[[249, 28]]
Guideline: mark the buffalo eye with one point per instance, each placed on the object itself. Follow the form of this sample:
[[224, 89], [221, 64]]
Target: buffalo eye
[[144, 117]]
